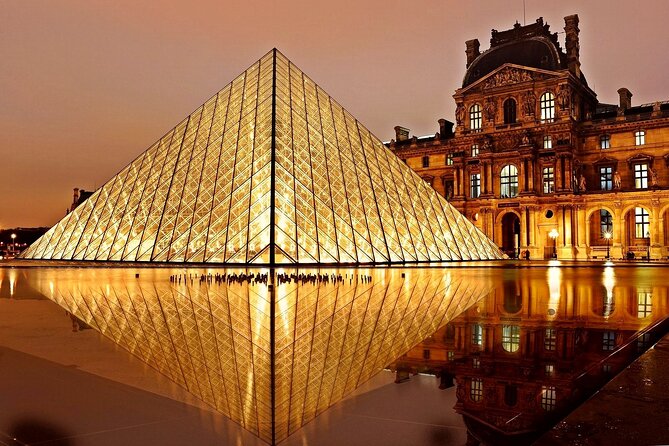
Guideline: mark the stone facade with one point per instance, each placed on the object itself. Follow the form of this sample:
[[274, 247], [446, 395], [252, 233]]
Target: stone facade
[[534, 152]]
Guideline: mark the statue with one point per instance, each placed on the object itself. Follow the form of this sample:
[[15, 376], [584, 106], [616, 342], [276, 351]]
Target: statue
[[564, 97], [581, 183], [449, 192], [525, 139], [459, 114], [616, 180], [490, 110], [653, 177], [529, 103]]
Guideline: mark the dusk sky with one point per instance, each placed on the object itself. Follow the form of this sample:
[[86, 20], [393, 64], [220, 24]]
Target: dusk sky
[[86, 86]]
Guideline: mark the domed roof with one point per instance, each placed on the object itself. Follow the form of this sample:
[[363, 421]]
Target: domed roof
[[530, 46]]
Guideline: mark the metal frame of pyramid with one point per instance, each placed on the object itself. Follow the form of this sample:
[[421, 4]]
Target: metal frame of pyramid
[[270, 170]]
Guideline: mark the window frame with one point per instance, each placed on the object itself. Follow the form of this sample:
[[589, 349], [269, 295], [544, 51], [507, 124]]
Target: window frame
[[548, 398], [548, 179], [476, 390], [548, 142], [475, 185], [547, 107], [641, 175], [510, 108], [475, 117], [640, 138], [474, 150], [605, 222], [605, 141], [641, 223], [477, 334], [605, 178], [425, 160], [508, 181], [511, 338]]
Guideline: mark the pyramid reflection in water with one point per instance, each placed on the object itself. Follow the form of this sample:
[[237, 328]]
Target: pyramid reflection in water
[[269, 170], [271, 375]]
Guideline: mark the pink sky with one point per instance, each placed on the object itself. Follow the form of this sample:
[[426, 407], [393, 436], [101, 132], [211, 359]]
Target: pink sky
[[88, 85]]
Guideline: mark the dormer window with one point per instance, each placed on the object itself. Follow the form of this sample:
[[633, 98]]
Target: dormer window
[[475, 117]]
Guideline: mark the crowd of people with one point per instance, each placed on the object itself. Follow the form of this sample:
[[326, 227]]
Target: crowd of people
[[263, 278]]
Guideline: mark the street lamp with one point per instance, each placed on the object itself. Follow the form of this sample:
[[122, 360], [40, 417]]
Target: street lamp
[[607, 236], [13, 236], [554, 235]]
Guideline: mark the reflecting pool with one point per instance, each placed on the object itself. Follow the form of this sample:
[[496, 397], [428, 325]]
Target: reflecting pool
[[521, 346]]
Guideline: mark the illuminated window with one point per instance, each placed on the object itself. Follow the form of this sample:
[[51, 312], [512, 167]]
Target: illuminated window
[[476, 362], [475, 150], [605, 222], [548, 142], [640, 137], [641, 223], [608, 340], [509, 181], [509, 111], [426, 354], [605, 142], [549, 369], [606, 178], [426, 161], [547, 104], [449, 159], [510, 338], [548, 177], [550, 339], [641, 176], [477, 334], [475, 182], [476, 391], [645, 304], [475, 117], [450, 356], [548, 397]]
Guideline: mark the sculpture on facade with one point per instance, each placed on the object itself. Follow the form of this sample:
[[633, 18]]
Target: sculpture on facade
[[490, 110], [652, 174], [564, 97], [460, 114], [616, 180], [581, 183], [529, 103]]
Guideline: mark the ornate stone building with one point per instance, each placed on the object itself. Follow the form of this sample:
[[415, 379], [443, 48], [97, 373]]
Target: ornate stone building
[[535, 154]]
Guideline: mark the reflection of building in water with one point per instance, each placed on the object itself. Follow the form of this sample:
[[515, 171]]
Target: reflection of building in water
[[524, 356], [535, 150]]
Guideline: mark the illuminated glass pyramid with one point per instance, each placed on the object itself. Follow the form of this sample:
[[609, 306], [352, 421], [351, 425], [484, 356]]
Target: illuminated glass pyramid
[[270, 358], [270, 170]]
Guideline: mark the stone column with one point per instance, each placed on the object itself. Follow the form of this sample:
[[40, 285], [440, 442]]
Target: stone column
[[582, 247], [655, 250]]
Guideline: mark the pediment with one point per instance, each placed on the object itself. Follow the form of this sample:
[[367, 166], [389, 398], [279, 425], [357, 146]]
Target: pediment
[[509, 74]]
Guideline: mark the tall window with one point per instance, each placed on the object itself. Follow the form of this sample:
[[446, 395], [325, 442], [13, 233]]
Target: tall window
[[449, 159], [608, 340], [605, 142], [548, 142], [426, 161], [645, 304], [509, 111], [475, 117], [547, 104], [476, 362], [550, 339], [509, 181], [548, 177], [510, 338], [606, 178], [475, 182], [605, 222], [476, 392], [475, 150], [548, 397], [641, 223], [641, 176], [640, 137], [477, 334]]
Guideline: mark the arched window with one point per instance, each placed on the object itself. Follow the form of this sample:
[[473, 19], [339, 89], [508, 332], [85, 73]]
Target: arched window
[[605, 222], [509, 181], [476, 390], [510, 338], [509, 111], [475, 117], [641, 223], [547, 104]]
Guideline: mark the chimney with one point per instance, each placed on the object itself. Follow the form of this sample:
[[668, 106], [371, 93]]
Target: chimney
[[572, 45], [75, 196], [472, 50], [401, 133], [625, 98], [445, 129]]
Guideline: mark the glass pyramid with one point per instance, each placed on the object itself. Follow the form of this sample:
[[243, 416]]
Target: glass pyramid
[[269, 357], [270, 170]]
